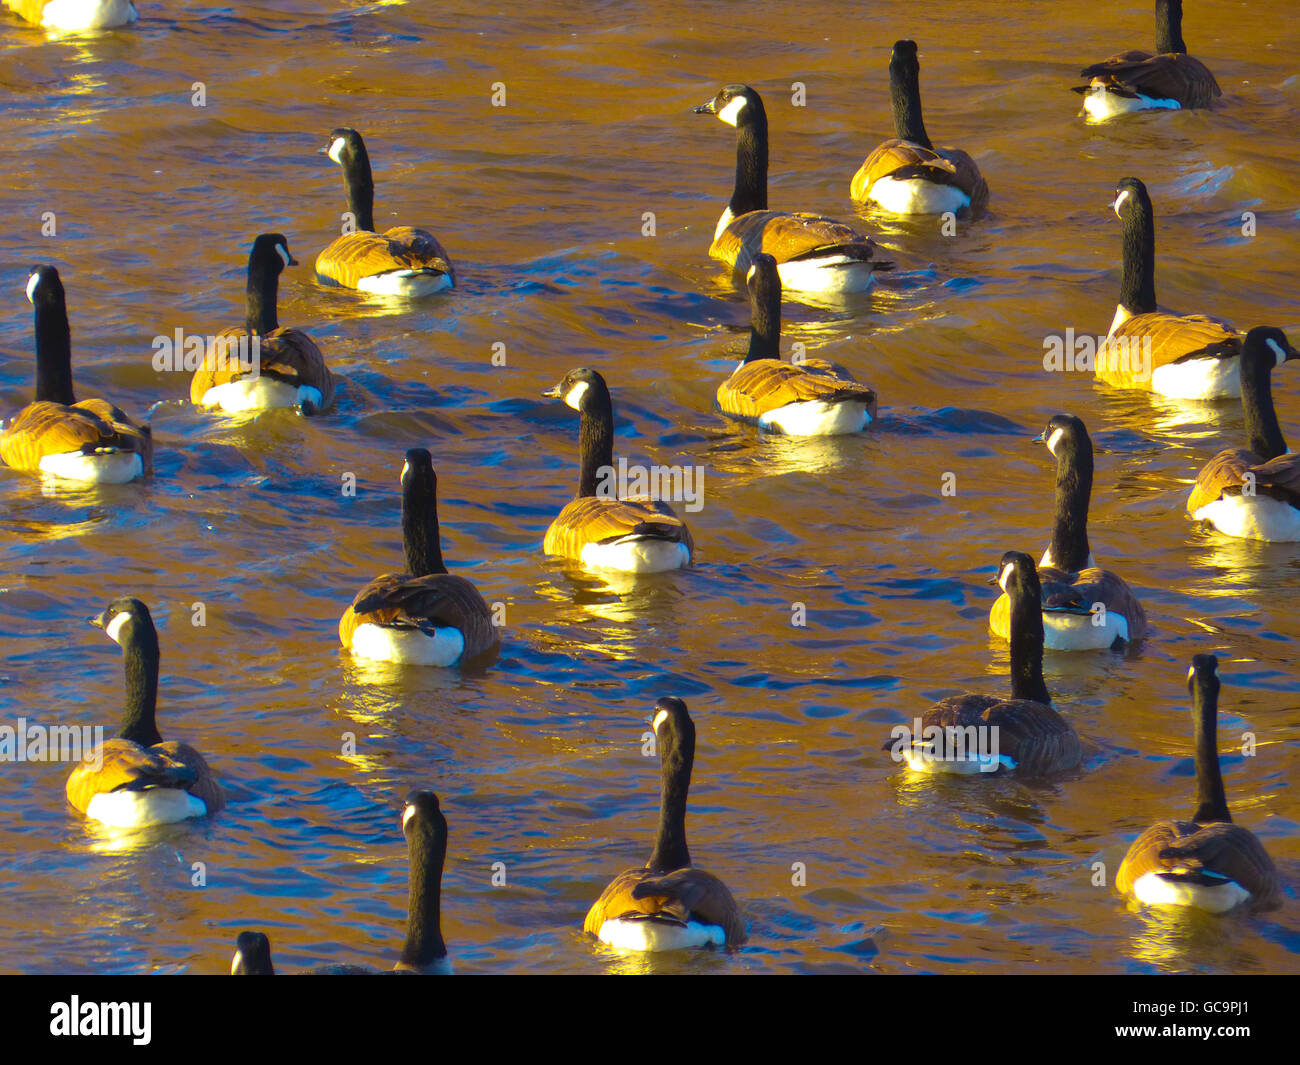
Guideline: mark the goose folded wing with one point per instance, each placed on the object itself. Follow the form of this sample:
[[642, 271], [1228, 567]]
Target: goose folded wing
[[1171, 76], [205, 786], [44, 428], [1176, 337], [790, 237], [364, 254], [701, 895], [766, 384], [440, 600], [902, 160], [1220, 850], [127, 766], [1080, 593]]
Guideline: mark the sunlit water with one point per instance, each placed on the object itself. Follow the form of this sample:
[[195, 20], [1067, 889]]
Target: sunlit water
[[541, 203]]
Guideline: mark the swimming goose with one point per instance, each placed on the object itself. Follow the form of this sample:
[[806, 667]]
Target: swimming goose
[[668, 904], [1084, 607], [288, 369], [597, 528], [1207, 863], [401, 261], [987, 733], [1138, 81], [1191, 356], [814, 254], [91, 441], [71, 16], [137, 780], [1254, 492], [425, 616], [424, 951], [908, 174], [810, 398]]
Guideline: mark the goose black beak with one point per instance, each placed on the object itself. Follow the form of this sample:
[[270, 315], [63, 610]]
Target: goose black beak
[[1038, 439], [705, 109], [99, 620], [553, 392], [995, 579]]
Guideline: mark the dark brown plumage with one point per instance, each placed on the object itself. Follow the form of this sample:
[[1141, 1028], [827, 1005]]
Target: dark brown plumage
[[668, 904], [763, 384], [138, 761], [1167, 74], [91, 440], [287, 356], [599, 529], [1264, 470], [1024, 732], [911, 155], [401, 260], [814, 253], [1206, 863], [426, 601]]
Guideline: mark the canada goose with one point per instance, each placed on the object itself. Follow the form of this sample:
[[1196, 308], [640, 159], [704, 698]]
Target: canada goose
[[288, 370], [669, 904], [1254, 492], [1084, 607], [401, 261], [597, 528], [1023, 733], [811, 398], [1191, 356], [814, 254], [424, 952], [140, 780], [908, 174], [1137, 81], [1208, 862], [74, 15], [90, 441], [425, 616]]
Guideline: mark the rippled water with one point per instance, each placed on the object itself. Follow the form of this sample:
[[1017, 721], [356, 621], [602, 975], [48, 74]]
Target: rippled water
[[540, 203]]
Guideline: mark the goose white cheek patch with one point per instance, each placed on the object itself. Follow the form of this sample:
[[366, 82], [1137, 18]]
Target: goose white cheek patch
[[336, 150], [660, 718], [407, 814], [1276, 349], [33, 283], [1007, 570], [574, 396], [1054, 439], [284, 253], [114, 627], [731, 113], [1119, 200]]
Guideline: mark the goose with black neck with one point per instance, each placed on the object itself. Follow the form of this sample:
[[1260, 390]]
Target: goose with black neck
[[1085, 607], [137, 780], [972, 733], [262, 365], [813, 253], [425, 616], [1254, 492], [56, 436], [810, 398], [908, 174], [401, 261], [1182, 356]]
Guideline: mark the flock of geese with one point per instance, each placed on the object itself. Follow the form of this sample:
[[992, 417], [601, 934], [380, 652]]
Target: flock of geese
[[427, 616]]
